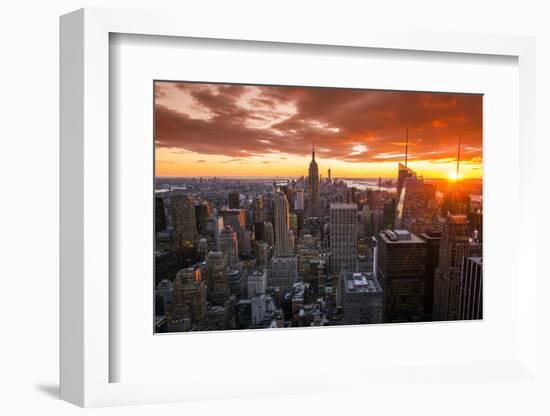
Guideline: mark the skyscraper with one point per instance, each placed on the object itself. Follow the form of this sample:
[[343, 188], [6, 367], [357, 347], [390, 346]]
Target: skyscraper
[[203, 213], [343, 238], [263, 255], [283, 272], [403, 172], [218, 288], [236, 218], [408, 197], [185, 225], [299, 202], [299, 211], [400, 269], [282, 226], [246, 247], [214, 227], [257, 283], [269, 233], [284, 266], [160, 216], [233, 200], [313, 186], [432, 240], [470, 305], [416, 209], [259, 215], [229, 245], [455, 245], [190, 293]]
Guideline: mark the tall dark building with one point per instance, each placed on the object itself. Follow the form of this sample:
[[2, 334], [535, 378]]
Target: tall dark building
[[233, 200], [259, 231], [401, 270], [389, 214], [160, 216], [362, 299], [313, 186], [203, 213], [470, 305], [432, 240], [259, 215]]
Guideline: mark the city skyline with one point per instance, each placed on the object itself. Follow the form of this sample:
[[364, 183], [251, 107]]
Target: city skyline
[[228, 130]]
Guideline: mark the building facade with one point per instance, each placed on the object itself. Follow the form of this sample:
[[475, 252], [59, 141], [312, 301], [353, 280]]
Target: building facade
[[257, 283], [343, 238], [218, 287], [184, 220], [362, 299], [470, 305], [401, 269], [433, 240], [283, 272], [229, 245], [190, 294], [283, 246], [456, 243]]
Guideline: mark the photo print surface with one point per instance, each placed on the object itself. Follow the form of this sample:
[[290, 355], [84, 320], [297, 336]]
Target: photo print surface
[[293, 207]]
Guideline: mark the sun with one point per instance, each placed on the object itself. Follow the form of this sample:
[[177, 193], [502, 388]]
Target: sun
[[453, 176]]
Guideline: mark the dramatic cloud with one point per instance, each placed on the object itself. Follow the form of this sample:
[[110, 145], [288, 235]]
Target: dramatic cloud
[[240, 122]]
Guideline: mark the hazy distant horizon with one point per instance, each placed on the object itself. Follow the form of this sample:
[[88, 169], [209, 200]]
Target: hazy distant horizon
[[394, 178]]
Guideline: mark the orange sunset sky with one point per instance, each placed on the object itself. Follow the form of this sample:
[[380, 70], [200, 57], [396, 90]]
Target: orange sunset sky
[[243, 130]]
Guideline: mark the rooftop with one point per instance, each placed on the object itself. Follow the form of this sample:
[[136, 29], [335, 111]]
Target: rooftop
[[400, 237], [361, 283], [341, 205]]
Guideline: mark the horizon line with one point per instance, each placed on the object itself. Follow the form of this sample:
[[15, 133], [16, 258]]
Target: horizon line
[[304, 176]]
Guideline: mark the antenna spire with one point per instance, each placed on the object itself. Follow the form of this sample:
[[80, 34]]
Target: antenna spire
[[313, 150], [458, 157], [406, 145]]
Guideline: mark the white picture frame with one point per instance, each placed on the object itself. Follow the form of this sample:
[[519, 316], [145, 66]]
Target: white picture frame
[[85, 177]]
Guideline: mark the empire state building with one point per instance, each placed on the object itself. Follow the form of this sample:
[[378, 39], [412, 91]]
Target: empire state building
[[313, 186]]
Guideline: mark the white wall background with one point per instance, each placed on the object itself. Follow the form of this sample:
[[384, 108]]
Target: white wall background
[[29, 206]]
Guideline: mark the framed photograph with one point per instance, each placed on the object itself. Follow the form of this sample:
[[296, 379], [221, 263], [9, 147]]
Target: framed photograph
[[322, 213]]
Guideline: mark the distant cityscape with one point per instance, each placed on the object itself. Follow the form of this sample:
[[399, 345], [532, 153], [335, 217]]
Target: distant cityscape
[[281, 251]]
